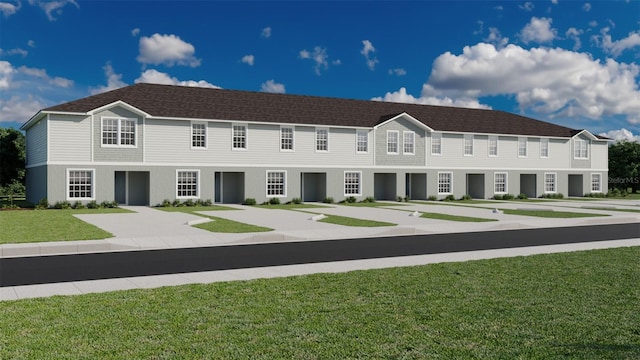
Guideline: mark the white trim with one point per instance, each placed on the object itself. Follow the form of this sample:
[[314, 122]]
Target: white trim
[[366, 133], [408, 117], [450, 182], [546, 140], [118, 103], [397, 132], [206, 135], [284, 183], [344, 182], [119, 132], [246, 137], [318, 128], [506, 182], [489, 139], [465, 138], [591, 183], [198, 184], [93, 185], [293, 138], [413, 141], [586, 133], [555, 183]]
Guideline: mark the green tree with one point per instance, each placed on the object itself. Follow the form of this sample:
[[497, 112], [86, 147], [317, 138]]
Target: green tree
[[624, 165], [12, 156]]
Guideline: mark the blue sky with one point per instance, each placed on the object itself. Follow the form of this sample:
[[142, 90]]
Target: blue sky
[[574, 63]]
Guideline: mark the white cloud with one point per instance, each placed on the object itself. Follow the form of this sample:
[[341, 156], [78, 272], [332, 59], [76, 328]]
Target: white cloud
[[42, 74], [499, 8], [367, 51], [6, 73], [555, 2], [248, 59], [538, 30], [586, 7], [114, 81], [266, 32], [31, 43], [19, 110], [617, 47], [593, 23], [621, 135], [553, 82], [318, 56], [425, 99], [495, 38], [528, 6], [52, 8], [271, 86], [135, 32], [8, 9], [168, 50], [574, 34], [16, 51], [398, 72], [156, 77]]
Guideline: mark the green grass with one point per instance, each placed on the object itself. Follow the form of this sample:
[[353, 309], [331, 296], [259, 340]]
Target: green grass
[[581, 305], [549, 213], [24, 226], [349, 221], [439, 216], [373, 204], [290, 206], [218, 224], [612, 209]]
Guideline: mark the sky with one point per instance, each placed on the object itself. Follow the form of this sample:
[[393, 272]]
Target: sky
[[573, 63]]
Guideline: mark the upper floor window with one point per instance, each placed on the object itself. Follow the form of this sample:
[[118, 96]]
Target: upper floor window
[[436, 144], [392, 141], [468, 145], [199, 135], [544, 148], [118, 131], [522, 147], [80, 184], [362, 141], [493, 146], [239, 137], [580, 149], [286, 138], [322, 139], [408, 144]]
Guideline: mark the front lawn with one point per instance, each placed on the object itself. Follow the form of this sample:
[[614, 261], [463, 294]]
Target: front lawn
[[440, 216], [581, 305], [218, 224], [23, 226], [349, 221], [550, 213]]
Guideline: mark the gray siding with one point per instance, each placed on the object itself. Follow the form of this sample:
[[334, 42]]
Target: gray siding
[[36, 141], [401, 125], [581, 163], [69, 138], [118, 154]]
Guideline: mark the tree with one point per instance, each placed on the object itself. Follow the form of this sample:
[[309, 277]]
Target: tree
[[12, 156], [624, 165]]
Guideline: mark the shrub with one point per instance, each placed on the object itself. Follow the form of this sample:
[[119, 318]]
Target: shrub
[[207, 202], [166, 203], [407, 198], [274, 201], [553, 196], [189, 203], [595, 195], [508, 197], [399, 198], [449, 198], [432, 198], [497, 197], [350, 200], [369, 199], [249, 201], [42, 204], [296, 201], [78, 205], [466, 197], [522, 196], [328, 200], [176, 203], [92, 205], [62, 205]]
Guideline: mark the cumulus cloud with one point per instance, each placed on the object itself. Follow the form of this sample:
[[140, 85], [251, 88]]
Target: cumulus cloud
[[528, 6], [8, 9], [135, 32], [16, 51], [248, 59], [617, 47], [538, 30], [156, 77], [266, 32], [31, 43], [42, 74], [271, 86], [586, 7], [426, 99], [319, 56], [114, 81], [621, 135], [574, 34], [553, 82], [6, 73], [17, 109], [167, 50], [367, 51], [53, 8], [496, 38], [398, 72]]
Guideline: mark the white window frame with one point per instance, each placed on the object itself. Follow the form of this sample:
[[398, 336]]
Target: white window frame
[[411, 141], [494, 140], [362, 134], [347, 186], [93, 185], [284, 141], [205, 135], [119, 132], [544, 141], [555, 183], [320, 141], [450, 182], [434, 137], [522, 147], [245, 136], [599, 182], [284, 184], [391, 143], [504, 184], [580, 152], [197, 195], [467, 144]]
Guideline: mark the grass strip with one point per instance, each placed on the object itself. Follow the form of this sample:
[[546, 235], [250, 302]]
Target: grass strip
[[349, 221], [190, 209], [219, 225], [290, 206], [613, 209], [439, 216], [550, 213], [579, 305], [25, 226], [372, 204]]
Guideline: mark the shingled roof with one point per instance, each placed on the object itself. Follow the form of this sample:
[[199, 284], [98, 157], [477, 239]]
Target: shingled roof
[[204, 103]]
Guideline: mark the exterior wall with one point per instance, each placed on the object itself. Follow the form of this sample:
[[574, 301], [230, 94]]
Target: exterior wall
[[36, 141], [117, 153], [69, 138], [400, 125], [36, 178], [599, 155], [577, 163]]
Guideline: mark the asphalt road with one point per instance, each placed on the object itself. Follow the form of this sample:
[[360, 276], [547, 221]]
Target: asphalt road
[[77, 267]]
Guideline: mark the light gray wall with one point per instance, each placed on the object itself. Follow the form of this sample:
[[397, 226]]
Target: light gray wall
[[400, 159], [581, 163], [115, 153], [36, 141], [69, 138]]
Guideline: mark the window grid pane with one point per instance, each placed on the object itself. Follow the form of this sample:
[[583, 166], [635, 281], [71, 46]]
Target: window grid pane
[[198, 135], [322, 140], [362, 141], [409, 138], [544, 148], [275, 183], [286, 139], [80, 184], [392, 142], [580, 149], [352, 183], [522, 147], [436, 144], [493, 147], [127, 132], [550, 182], [444, 183], [596, 183], [109, 131], [188, 184], [468, 145], [500, 183], [239, 137]]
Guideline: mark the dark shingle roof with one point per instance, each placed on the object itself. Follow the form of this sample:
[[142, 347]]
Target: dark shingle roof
[[203, 103]]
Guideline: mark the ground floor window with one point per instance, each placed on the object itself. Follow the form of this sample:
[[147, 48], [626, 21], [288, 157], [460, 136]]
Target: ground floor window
[[596, 182], [550, 182], [80, 184], [444, 182], [187, 183], [500, 182], [276, 183], [352, 183]]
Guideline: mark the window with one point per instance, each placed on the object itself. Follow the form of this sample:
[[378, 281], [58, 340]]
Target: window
[[362, 141], [596, 182], [544, 148], [580, 149], [522, 147], [493, 146], [436, 144], [322, 139], [500, 182], [286, 138], [444, 182], [118, 132], [392, 142], [187, 183], [79, 184], [276, 183], [468, 145], [408, 142], [352, 183], [198, 135], [550, 182], [239, 137]]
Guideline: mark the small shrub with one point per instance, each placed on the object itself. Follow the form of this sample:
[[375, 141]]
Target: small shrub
[[189, 203], [105, 204], [369, 199], [595, 195], [176, 203], [328, 200], [42, 204], [407, 198], [466, 197], [296, 201], [522, 196], [249, 201], [508, 197], [350, 200], [274, 201], [62, 205], [92, 205], [432, 198], [166, 203], [449, 198], [78, 205], [497, 197], [207, 202], [399, 199]]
